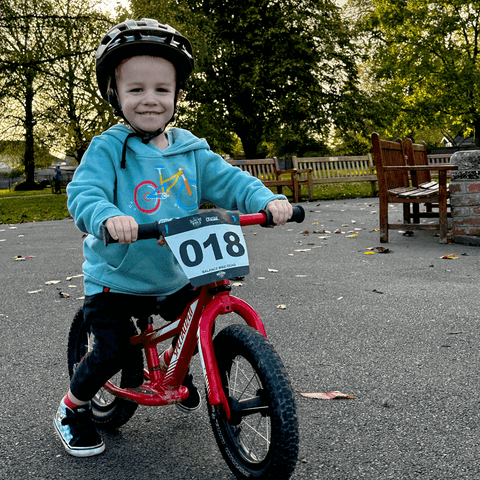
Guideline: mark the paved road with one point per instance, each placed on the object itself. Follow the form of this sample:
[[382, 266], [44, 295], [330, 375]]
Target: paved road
[[399, 331]]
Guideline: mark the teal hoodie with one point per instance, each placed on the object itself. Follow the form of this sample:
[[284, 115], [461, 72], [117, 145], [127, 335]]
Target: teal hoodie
[[156, 185]]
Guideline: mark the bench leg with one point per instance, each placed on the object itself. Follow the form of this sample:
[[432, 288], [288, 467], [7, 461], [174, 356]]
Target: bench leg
[[383, 220], [442, 206]]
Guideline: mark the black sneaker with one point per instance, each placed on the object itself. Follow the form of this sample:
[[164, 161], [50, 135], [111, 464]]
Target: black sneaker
[[193, 400], [77, 431]]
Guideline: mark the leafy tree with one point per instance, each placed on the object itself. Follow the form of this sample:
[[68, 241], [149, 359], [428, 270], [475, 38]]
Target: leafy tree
[[426, 57], [267, 70], [46, 93]]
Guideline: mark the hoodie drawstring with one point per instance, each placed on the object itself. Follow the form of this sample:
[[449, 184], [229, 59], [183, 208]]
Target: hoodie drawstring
[[143, 137]]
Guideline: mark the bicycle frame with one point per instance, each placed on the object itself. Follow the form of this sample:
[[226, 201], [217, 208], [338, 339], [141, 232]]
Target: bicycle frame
[[194, 329]]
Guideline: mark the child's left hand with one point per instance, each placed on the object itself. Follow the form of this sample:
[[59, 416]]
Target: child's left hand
[[281, 211]]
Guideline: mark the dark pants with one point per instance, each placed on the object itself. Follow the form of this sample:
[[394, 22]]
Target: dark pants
[[109, 317]]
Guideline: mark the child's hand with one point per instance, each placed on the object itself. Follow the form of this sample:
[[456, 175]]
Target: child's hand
[[281, 211], [122, 228]]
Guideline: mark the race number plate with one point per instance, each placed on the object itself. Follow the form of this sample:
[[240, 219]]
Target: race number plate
[[208, 246]]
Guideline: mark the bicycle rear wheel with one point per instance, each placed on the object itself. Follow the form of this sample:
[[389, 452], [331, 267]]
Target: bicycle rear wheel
[[261, 438], [108, 412]]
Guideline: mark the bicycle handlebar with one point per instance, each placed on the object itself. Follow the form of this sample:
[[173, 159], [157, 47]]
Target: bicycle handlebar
[[264, 218]]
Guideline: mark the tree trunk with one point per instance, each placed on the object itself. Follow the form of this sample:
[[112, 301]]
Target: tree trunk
[[476, 131], [29, 158]]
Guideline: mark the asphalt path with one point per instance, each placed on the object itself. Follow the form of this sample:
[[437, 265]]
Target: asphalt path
[[397, 330]]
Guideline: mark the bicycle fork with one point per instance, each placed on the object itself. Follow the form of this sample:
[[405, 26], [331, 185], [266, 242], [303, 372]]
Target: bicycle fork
[[223, 304]]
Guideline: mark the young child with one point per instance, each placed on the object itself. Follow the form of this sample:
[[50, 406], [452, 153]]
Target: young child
[[134, 173]]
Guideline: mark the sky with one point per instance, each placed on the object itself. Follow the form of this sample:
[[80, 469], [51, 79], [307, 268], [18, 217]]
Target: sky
[[110, 5]]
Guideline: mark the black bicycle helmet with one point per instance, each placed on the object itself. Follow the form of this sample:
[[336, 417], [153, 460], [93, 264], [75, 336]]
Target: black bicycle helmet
[[143, 37]]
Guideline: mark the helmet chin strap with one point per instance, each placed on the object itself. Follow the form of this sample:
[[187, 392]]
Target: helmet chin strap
[[144, 136]]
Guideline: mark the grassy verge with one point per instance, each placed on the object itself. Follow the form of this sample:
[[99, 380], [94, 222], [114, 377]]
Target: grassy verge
[[37, 206], [28, 193], [33, 208]]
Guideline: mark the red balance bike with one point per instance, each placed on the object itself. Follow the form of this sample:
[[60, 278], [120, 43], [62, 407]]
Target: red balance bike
[[249, 396]]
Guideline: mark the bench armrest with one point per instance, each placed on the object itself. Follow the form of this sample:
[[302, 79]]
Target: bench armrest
[[303, 170], [291, 171], [416, 168]]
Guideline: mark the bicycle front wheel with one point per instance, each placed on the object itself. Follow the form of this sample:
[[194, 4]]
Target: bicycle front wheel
[[108, 412], [261, 438]]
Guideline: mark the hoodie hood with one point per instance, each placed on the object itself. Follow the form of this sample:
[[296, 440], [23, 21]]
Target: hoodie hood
[[180, 141]]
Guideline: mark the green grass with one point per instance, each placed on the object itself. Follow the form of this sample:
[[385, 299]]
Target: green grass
[[27, 193], [333, 191], [30, 207], [33, 208]]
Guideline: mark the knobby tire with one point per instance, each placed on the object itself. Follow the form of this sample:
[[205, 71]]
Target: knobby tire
[[252, 372]]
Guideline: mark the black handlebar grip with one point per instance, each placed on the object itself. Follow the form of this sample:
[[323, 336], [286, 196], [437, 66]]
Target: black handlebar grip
[[145, 231], [298, 216]]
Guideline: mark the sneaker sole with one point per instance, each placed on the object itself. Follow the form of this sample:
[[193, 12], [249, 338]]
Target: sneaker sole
[[81, 451], [185, 409]]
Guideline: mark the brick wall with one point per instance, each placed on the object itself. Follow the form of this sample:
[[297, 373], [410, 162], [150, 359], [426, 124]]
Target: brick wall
[[465, 193]]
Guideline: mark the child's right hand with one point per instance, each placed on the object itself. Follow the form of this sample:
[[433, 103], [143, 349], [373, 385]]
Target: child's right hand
[[122, 228]]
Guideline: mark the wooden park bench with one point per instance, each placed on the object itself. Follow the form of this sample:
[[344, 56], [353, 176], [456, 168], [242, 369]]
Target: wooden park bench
[[268, 171], [404, 177], [318, 170]]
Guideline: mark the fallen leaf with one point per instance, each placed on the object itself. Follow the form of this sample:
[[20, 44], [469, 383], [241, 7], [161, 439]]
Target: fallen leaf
[[377, 291], [326, 395], [451, 256], [74, 276], [303, 250], [237, 284], [63, 294], [19, 258], [35, 291], [52, 282], [369, 252], [352, 236], [340, 298], [282, 307], [306, 232], [382, 250], [300, 276], [315, 223], [272, 270], [337, 231]]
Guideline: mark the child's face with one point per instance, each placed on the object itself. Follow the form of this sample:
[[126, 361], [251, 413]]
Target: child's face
[[146, 90]]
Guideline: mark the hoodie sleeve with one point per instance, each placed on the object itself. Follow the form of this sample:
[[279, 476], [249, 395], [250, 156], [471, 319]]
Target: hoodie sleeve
[[229, 187], [91, 193]]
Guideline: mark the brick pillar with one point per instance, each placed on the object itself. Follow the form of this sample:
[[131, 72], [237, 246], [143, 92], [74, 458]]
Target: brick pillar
[[465, 193]]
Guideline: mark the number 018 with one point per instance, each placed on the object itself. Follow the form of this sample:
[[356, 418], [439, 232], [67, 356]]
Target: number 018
[[232, 245]]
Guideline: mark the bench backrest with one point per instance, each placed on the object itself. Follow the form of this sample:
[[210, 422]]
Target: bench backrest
[[336, 167], [417, 155], [391, 154], [264, 169]]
